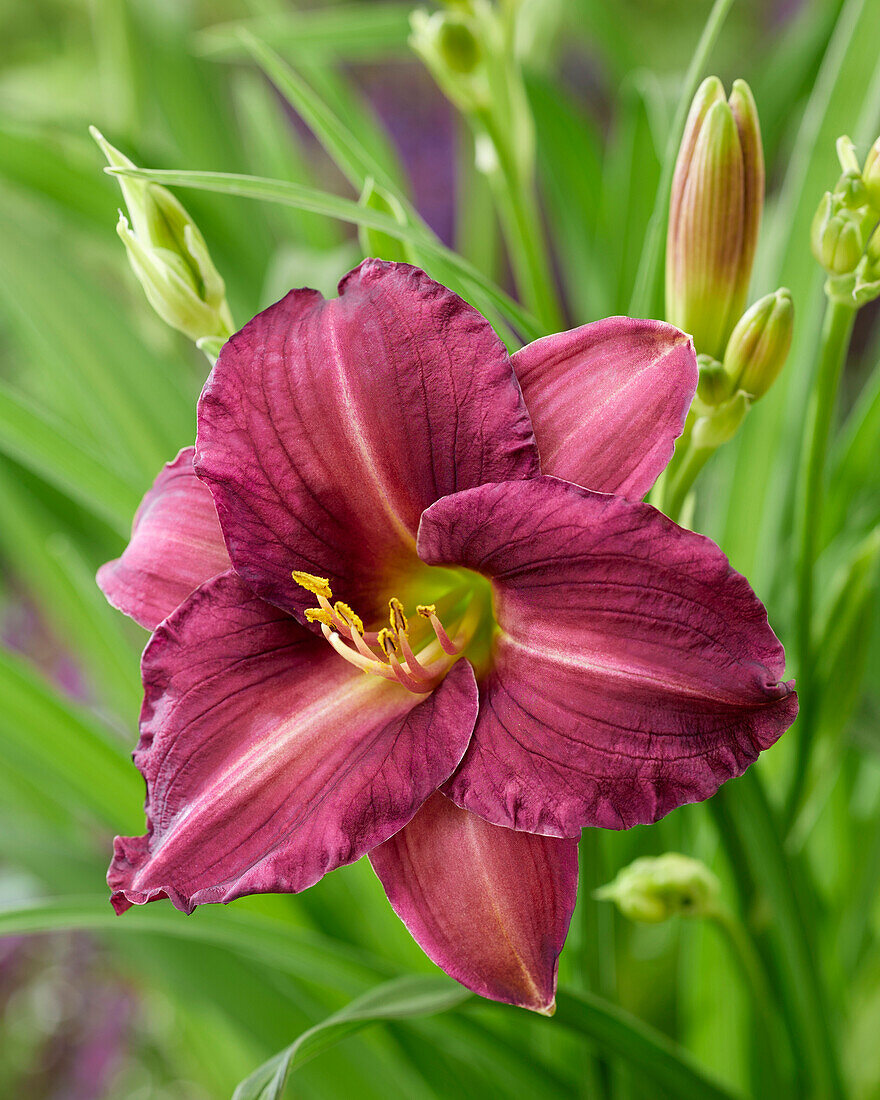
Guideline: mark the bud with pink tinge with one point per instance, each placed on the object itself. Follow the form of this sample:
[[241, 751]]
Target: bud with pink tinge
[[714, 215]]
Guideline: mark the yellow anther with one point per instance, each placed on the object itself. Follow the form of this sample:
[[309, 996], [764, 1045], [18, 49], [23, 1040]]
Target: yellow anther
[[320, 586], [387, 641], [397, 617], [319, 615], [427, 610], [349, 617]]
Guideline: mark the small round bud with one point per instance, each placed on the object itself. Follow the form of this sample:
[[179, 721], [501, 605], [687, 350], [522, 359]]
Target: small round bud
[[759, 345], [714, 385], [655, 888], [457, 45]]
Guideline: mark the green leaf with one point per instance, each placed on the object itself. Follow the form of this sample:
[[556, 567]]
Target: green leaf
[[346, 32], [748, 828], [350, 155], [40, 442], [373, 242], [474, 286], [399, 999], [298, 952], [667, 1066], [82, 763]]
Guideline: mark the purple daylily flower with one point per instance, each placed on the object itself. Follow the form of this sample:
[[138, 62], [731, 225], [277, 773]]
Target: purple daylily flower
[[574, 659]]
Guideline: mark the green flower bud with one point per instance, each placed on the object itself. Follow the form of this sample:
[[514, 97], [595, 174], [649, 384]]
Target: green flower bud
[[851, 191], [721, 424], [871, 175], [458, 45], [655, 888], [836, 236], [169, 256], [759, 345], [714, 215], [846, 155], [714, 385], [449, 44]]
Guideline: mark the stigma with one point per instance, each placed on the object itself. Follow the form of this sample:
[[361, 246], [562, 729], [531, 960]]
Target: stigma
[[388, 652]]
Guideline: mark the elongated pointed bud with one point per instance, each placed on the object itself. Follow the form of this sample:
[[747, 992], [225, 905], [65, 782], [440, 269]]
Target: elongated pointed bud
[[714, 215], [169, 256], [655, 888], [745, 114], [759, 345]]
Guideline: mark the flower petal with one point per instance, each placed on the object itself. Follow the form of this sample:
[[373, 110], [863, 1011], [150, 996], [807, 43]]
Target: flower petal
[[634, 670], [176, 544], [608, 400], [268, 759], [491, 906], [327, 427]]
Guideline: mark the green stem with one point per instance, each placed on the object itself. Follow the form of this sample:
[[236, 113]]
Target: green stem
[[771, 1039], [648, 275], [833, 346], [693, 459], [748, 829], [596, 954], [521, 223]]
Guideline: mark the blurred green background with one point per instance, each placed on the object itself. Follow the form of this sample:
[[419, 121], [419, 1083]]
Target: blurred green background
[[95, 394]]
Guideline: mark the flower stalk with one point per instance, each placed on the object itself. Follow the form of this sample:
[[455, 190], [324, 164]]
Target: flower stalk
[[845, 243], [470, 51]]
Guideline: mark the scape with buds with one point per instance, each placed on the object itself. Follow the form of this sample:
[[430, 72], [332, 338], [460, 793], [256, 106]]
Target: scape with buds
[[169, 256], [844, 230], [714, 215]]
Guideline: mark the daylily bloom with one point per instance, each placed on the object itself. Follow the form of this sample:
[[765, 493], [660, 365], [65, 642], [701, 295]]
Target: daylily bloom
[[382, 623]]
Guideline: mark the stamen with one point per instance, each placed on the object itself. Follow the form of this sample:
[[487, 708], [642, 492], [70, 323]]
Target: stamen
[[412, 662], [351, 620], [420, 686], [319, 586], [429, 612], [398, 620], [355, 658], [344, 630]]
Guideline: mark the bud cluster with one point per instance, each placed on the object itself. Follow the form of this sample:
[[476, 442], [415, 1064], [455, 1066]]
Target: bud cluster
[[468, 48], [169, 256], [654, 888], [845, 236]]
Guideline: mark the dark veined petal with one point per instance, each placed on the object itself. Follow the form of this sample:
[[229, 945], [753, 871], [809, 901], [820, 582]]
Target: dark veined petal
[[176, 545], [634, 670], [327, 427], [491, 906], [268, 759], [608, 400]]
